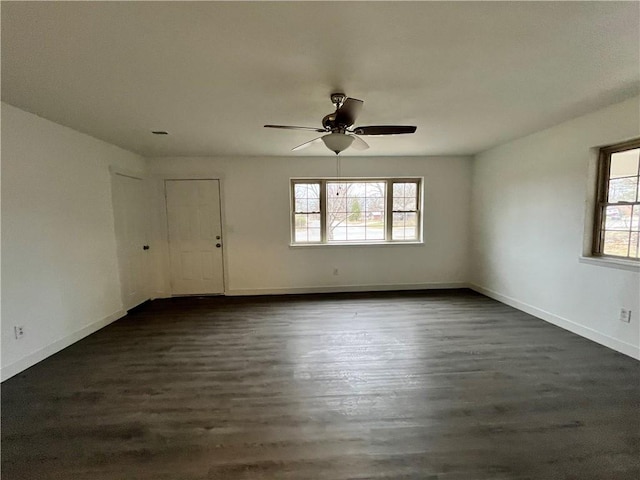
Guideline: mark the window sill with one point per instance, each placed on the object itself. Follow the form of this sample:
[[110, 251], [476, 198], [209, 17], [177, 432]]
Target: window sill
[[608, 262], [353, 244]]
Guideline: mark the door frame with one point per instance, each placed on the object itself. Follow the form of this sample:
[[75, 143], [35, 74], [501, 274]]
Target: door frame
[[160, 180]]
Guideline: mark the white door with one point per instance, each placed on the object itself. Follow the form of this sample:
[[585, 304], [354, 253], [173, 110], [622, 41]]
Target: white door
[[195, 236], [130, 216]]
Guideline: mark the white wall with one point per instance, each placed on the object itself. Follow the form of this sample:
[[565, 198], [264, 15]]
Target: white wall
[[531, 208], [59, 266], [256, 220]]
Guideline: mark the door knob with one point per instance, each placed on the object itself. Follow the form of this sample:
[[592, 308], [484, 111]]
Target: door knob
[[218, 245], [145, 247]]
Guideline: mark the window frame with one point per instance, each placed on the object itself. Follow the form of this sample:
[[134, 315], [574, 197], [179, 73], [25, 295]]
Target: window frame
[[601, 203], [388, 213]]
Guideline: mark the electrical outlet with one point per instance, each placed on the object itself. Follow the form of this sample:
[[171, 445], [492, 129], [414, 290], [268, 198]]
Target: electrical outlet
[[336, 271], [625, 315], [18, 331]]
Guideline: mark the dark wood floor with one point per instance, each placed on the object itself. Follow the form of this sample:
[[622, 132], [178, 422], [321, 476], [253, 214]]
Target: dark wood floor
[[426, 385]]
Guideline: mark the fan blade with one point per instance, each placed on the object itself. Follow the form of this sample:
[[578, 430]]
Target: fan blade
[[289, 127], [304, 145], [384, 130], [358, 143], [348, 112]]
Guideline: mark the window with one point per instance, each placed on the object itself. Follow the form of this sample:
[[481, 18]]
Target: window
[[617, 218], [355, 210]]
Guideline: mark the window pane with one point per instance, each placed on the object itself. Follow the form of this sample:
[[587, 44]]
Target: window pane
[[410, 203], [405, 226], [301, 220], [338, 234], [411, 219], [397, 233], [355, 211], [618, 217], [616, 243], [336, 189], [405, 196], [625, 164], [398, 203], [375, 204], [336, 204], [375, 231], [314, 234], [356, 189], [307, 197], [635, 218], [355, 205], [623, 189], [376, 217], [363, 228], [307, 227], [354, 220], [355, 233], [404, 233], [338, 210], [397, 229], [398, 219], [307, 190], [375, 189], [301, 205], [300, 190], [314, 220], [337, 214], [300, 234], [338, 219]]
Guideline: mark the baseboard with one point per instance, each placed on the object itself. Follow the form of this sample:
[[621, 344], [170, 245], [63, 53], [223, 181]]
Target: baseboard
[[9, 371], [345, 288], [586, 332]]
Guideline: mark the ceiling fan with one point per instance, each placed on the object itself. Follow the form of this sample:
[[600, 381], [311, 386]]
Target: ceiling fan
[[341, 134]]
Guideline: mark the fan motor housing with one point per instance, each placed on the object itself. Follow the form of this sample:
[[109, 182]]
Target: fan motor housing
[[328, 122]]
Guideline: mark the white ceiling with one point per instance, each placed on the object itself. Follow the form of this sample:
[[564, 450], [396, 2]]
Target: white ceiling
[[469, 75]]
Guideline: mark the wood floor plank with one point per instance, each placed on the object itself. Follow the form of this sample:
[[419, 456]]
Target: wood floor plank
[[446, 385]]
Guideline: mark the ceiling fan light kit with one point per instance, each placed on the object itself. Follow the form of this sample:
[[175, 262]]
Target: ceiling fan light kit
[[337, 142], [341, 134]]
